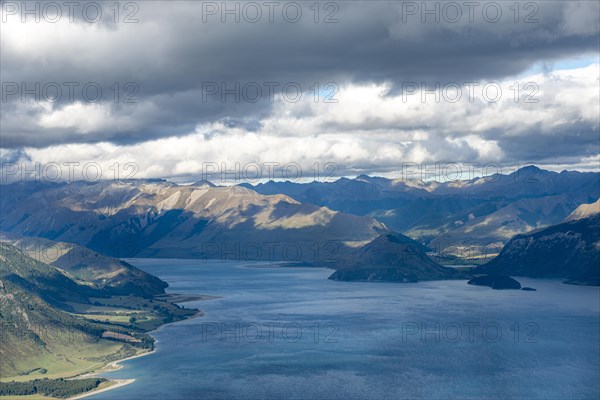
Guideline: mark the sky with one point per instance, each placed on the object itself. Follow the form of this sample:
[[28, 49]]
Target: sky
[[176, 89]]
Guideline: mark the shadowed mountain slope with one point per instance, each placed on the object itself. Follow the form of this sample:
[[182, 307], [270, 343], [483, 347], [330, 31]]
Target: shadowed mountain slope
[[161, 219], [570, 250], [391, 258]]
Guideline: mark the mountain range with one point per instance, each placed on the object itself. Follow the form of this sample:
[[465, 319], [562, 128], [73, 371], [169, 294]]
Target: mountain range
[[367, 228], [162, 219], [480, 214]]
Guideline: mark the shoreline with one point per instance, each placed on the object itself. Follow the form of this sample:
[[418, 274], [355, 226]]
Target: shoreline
[[116, 365], [118, 383], [181, 298], [112, 366]]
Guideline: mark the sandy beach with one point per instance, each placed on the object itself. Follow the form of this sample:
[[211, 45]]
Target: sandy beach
[[112, 366], [117, 383], [115, 365]]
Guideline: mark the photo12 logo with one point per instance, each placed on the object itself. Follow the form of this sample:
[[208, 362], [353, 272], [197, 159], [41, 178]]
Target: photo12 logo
[[66, 171], [453, 12], [253, 92], [454, 92], [70, 92], [468, 170], [469, 332], [254, 172], [252, 12], [302, 252], [72, 11], [253, 332]]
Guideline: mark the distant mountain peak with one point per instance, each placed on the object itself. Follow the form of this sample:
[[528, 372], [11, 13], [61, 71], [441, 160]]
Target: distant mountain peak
[[530, 167], [533, 169], [203, 183], [391, 257]]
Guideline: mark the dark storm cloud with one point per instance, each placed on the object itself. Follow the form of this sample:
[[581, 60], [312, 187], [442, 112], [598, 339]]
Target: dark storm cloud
[[179, 52], [573, 139]]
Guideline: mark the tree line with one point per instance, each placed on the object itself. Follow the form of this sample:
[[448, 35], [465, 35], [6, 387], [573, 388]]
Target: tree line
[[60, 388]]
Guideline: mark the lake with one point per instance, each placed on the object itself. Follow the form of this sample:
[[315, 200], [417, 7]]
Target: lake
[[290, 333]]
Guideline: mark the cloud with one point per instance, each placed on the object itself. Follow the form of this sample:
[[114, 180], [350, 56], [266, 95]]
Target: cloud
[[370, 130], [182, 68]]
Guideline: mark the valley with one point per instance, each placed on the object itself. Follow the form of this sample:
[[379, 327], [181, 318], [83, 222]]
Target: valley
[[56, 327], [71, 306]]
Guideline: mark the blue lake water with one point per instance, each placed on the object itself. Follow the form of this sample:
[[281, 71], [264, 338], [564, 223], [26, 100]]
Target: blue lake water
[[289, 333]]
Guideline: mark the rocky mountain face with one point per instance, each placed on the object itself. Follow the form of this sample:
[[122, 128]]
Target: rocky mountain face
[[162, 219], [391, 258], [27, 323], [57, 322], [51, 284], [482, 213], [34, 327], [569, 250], [110, 274], [585, 211]]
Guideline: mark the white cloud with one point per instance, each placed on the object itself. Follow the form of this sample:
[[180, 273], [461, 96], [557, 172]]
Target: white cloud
[[85, 118], [368, 130]]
